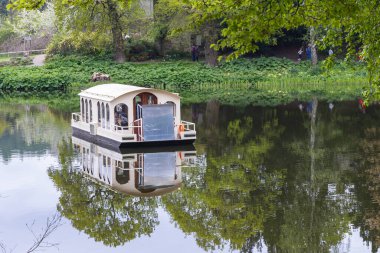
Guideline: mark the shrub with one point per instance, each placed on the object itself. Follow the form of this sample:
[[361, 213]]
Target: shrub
[[140, 50], [79, 43], [33, 79]]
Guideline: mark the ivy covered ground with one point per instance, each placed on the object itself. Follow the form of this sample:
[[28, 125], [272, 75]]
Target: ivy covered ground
[[260, 81]]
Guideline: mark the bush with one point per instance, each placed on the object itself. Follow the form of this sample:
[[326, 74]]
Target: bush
[[17, 61], [79, 43], [33, 79], [140, 50], [21, 61]]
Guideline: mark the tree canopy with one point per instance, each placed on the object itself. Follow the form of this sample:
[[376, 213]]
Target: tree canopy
[[350, 24]]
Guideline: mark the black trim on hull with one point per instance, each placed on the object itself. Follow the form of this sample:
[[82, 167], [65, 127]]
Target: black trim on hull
[[174, 145]]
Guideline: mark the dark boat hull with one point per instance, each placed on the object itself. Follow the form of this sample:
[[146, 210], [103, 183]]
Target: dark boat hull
[[116, 145]]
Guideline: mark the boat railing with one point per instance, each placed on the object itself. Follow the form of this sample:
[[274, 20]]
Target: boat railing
[[188, 126], [134, 128], [120, 129], [128, 128], [137, 124], [76, 116]]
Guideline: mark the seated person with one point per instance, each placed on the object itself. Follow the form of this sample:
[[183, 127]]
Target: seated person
[[124, 119]]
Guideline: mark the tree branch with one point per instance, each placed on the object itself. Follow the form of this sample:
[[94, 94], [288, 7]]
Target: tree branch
[[40, 240]]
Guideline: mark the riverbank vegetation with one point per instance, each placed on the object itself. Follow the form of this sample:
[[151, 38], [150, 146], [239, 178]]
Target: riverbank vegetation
[[260, 81], [136, 42]]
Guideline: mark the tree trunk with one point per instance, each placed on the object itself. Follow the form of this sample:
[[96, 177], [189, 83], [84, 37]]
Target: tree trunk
[[211, 37], [161, 46], [117, 32], [314, 56]]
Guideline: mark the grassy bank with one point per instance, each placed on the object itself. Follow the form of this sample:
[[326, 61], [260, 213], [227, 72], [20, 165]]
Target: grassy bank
[[262, 81]]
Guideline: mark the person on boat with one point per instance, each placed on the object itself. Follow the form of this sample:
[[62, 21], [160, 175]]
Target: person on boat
[[123, 119]]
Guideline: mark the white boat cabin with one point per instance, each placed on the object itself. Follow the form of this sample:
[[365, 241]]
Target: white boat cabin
[[131, 114]]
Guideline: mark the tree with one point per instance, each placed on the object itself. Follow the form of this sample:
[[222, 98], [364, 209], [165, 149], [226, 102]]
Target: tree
[[110, 14], [35, 21], [169, 16], [173, 17], [247, 23]]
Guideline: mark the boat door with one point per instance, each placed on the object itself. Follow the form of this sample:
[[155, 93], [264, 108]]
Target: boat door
[[144, 98]]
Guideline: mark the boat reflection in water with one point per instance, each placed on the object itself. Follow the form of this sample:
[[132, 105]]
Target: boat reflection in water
[[138, 172]]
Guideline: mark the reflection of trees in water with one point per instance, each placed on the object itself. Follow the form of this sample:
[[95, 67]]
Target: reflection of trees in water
[[30, 128], [367, 188], [307, 207], [105, 215], [40, 238], [3, 126], [228, 202], [286, 181], [315, 214]]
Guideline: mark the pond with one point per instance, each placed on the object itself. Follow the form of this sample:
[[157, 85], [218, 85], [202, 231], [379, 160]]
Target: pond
[[294, 178]]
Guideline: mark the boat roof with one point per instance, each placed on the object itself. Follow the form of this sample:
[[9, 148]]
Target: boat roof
[[111, 91]]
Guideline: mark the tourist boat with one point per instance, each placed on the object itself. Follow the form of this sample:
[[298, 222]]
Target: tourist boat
[[125, 115], [141, 172]]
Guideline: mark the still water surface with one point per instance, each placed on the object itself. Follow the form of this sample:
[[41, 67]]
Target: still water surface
[[261, 180]]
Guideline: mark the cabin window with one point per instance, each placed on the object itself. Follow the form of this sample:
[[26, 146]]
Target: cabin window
[[86, 110], [82, 109], [90, 111], [92, 163], [103, 116], [174, 107], [104, 167], [121, 115], [99, 115], [108, 115], [88, 160], [84, 158], [99, 165]]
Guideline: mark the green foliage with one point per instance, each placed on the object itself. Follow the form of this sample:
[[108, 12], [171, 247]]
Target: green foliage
[[88, 43], [345, 25], [6, 31], [15, 79], [267, 81], [16, 61], [19, 61]]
